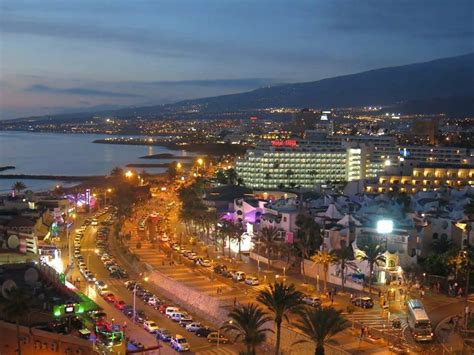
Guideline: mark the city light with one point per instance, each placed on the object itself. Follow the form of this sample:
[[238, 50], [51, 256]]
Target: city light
[[200, 161], [385, 226], [128, 174]]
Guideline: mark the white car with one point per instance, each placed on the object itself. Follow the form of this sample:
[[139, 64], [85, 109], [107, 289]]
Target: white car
[[192, 327], [94, 222], [252, 281], [179, 343], [170, 310], [205, 263], [239, 276], [152, 301], [150, 326], [164, 238]]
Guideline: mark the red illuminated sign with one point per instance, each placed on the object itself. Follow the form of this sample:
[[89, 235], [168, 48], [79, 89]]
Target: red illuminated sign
[[253, 118], [285, 143]]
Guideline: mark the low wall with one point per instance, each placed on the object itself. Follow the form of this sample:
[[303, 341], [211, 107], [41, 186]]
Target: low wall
[[206, 306]]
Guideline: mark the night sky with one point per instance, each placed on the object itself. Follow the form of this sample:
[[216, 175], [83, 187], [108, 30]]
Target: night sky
[[61, 55]]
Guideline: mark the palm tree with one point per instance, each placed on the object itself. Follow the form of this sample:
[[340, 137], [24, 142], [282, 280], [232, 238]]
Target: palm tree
[[345, 257], [15, 306], [231, 175], [320, 324], [374, 255], [281, 300], [442, 245], [18, 186], [267, 236], [233, 232], [308, 238], [249, 321], [324, 258]]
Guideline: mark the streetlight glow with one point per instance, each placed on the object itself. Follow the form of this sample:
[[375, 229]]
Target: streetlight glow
[[200, 161], [129, 174], [385, 226]]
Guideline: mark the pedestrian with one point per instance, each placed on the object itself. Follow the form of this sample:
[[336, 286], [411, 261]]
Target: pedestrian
[[460, 292], [235, 301], [362, 331], [380, 293], [352, 296]]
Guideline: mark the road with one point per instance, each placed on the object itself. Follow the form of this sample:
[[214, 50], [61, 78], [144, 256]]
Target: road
[[116, 286]]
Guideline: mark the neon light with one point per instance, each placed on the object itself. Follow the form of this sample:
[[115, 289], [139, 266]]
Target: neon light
[[285, 143]]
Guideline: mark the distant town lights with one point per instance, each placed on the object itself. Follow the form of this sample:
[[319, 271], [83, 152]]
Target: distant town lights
[[385, 226]]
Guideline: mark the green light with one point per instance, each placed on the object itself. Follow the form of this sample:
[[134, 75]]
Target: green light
[[80, 308], [62, 278], [57, 311]]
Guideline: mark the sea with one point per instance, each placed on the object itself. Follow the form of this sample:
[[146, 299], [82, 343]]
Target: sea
[[65, 154]]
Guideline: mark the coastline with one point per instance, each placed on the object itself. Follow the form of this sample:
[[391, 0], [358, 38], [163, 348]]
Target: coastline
[[203, 148], [7, 167], [50, 177]]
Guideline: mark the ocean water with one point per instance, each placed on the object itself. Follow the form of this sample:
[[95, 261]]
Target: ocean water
[[67, 154]]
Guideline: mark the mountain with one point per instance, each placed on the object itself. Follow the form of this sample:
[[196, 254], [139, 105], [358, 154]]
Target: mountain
[[442, 85], [443, 78]]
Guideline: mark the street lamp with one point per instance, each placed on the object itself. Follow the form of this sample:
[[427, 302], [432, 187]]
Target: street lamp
[[128, 174]]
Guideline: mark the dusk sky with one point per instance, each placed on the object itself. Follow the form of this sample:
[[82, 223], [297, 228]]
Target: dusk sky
[[62, 55]]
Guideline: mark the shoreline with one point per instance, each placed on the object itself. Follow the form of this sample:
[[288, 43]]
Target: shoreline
[[51, 177], [7, 167], [215, 149]]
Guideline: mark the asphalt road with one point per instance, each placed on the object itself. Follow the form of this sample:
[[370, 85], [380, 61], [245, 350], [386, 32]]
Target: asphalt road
[[116, 287]]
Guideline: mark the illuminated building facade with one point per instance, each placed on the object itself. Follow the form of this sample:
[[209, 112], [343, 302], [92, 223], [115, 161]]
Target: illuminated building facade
[[316, 160], [424, 177]]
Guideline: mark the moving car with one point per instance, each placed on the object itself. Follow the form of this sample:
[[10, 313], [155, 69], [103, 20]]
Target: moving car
[[363, 302], [179, 343], [150, 326], [215, 337]]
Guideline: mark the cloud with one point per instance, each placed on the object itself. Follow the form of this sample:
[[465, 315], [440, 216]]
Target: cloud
[[232, 83], [39, 88]]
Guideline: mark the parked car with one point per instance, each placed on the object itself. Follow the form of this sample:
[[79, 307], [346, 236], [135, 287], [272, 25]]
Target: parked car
[[170, 310], [252, 281], [314, 301], [193, 326], [179, 343], [129, 285], [215, 337], [185, 320], [162, 308], [110, 297], [204, 332], [120, 304], [219, 269], [163, 334], [153, 301], [100, 285], [150, 326], [239, 276], [363, 302]]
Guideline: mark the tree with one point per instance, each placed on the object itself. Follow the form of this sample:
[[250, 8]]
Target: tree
[[442, 245], [373, 254], [345, 257], [221, 176], [456, 262], [231, 175], [324, 258], [249, 321], [232, 232], [172, 170], [281, 300], [320, 324], [267, 236], [117, 172], [308, 238], [15, 306], [18, 186]]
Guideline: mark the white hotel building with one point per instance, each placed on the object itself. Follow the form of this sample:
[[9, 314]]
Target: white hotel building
[[298, 162]]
